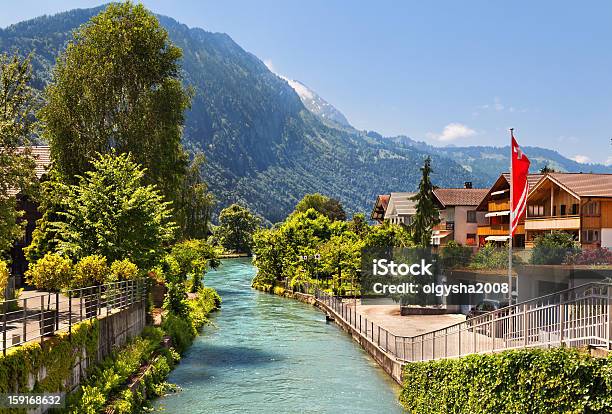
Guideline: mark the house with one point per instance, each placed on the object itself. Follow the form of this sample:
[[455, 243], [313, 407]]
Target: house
[[577, 203], [400, 209], [496, 205], [42, 157], [380, 207], [459, 219]]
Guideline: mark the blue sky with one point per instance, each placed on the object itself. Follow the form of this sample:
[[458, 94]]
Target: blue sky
[[447, 72]]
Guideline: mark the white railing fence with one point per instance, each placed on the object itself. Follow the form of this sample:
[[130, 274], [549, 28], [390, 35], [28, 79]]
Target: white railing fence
[[574, 317], [34, 317]]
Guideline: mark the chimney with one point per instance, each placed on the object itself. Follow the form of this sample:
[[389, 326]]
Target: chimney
[[468, 184]]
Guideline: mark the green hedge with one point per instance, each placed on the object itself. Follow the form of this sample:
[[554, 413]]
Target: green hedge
[[558, 380]]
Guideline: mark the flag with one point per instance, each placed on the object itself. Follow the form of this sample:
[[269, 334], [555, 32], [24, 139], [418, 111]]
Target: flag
[[519, 186]]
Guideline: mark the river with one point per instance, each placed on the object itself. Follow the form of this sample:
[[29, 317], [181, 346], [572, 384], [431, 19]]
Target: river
[[267, 354]]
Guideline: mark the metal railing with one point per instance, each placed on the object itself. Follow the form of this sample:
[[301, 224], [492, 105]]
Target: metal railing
[[574, 317], [30, 318]]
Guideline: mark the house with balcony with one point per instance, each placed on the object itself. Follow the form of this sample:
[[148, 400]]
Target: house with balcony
[[380, 207], [576, 203], [400, 209], [496, 208], [459, 218]]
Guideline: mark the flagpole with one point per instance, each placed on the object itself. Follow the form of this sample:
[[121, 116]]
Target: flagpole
[[510, 225]]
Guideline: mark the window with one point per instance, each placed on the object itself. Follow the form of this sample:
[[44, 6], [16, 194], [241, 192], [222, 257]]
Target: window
[[563, 209], [574, 209], [535, 211], [590, 236], [470, 239], [591, 209], [471, 216]]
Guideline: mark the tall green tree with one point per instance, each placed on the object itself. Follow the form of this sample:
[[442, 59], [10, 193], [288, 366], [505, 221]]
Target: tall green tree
[[196, 202], [117, 86], [110, 212], [17, 126], [325, 205], [236, 228], [426, 216]]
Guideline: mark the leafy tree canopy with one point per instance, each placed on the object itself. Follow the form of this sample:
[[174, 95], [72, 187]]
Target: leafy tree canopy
[[117, 86], [110, 212], [552, 248], [16, 128], [236, 227], [330, 207]]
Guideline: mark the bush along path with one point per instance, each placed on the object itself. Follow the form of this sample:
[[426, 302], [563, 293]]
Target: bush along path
[[558, 380], [125, 380]]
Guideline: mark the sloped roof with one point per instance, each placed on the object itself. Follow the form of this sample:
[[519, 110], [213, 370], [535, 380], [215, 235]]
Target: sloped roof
[[383, 199], [585, 184], [380, 206], [504, 179], [401, 204], [532, 179], [42, 157], [460, 196]]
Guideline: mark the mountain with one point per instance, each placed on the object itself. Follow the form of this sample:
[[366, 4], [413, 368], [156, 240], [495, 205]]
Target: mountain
[[266, 145], [317, 105], [488, 161], [263, 147]]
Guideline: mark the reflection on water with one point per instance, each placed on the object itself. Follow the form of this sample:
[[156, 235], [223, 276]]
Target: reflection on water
[[266, 354]]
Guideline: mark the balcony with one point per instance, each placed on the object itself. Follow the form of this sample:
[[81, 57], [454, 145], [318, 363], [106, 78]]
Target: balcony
[[498, 230], [553, 223], [499, 205]]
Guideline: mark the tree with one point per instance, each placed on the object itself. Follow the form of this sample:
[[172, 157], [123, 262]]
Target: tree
[[236, 228], [110, 212], [341, 257], [327, 206], [193, 258], [552, 248], [16, 128], [196, 202], [52, 272], [547, 170], [426, 216], [117, 86]]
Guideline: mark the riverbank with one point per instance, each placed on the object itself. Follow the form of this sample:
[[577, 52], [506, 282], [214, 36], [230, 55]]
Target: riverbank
[[263, 353], [127, 379]]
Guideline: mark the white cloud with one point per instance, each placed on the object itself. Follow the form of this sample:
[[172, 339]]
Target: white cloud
[[582, 159], [608, 161], [453, 131], [499, 106]]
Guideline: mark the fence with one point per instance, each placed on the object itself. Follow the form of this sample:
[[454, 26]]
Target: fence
[[574, 317], [42, 315]]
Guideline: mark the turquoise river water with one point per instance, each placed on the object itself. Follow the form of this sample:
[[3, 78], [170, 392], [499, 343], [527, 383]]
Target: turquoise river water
[[267, 354]]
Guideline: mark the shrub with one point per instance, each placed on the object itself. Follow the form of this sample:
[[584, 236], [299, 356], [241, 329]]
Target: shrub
[[176, 298], [123, 270], [180, 329], [490, 257], [552, 248], [90, 270], [599, 256], [558, 380], [455, 255], [4, 278], [52, 272], [193, 257]]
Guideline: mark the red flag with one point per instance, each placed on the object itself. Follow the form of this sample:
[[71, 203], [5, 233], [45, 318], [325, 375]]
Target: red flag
[[519, 186]]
